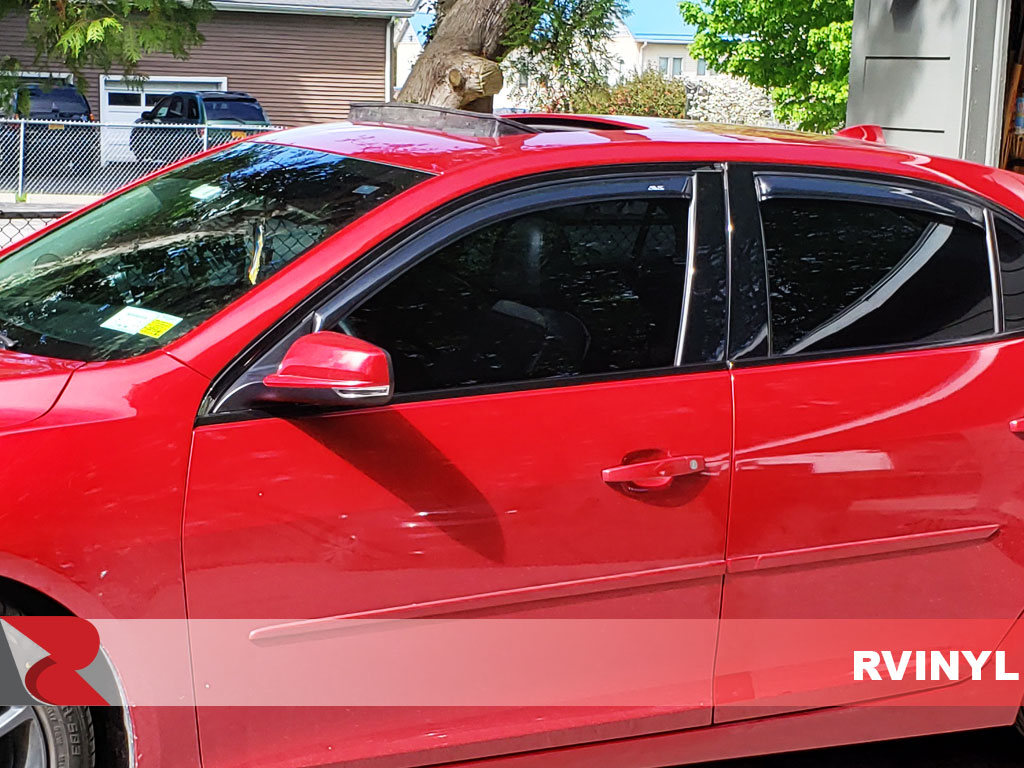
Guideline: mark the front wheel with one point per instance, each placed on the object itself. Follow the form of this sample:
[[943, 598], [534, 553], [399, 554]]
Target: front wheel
[[46, 737]]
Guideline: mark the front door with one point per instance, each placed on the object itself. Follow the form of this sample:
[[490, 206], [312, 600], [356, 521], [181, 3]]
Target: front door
[[876, 500], [559, 449]]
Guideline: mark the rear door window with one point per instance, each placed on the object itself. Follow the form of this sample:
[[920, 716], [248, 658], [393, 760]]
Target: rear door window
[[1011, 265], [860, 269]]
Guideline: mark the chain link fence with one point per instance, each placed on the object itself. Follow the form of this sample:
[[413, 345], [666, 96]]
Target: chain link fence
[[23, 221], [69, 157]]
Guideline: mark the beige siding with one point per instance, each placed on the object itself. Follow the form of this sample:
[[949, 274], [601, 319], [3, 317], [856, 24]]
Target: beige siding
[[303, 69]]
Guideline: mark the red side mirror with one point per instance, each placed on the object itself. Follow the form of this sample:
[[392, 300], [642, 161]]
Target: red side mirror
[[323, 367]]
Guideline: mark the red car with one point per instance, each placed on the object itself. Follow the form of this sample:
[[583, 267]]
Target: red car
[[558, 368]]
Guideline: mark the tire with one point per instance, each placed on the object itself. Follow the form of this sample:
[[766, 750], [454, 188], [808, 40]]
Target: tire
[[44, 736]]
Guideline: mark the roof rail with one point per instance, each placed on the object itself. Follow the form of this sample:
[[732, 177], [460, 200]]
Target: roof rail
[[454, 121]]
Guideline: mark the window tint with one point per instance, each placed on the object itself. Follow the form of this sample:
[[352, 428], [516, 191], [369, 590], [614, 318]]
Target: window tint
[[844, 275], [1011, 264], [583, 289]]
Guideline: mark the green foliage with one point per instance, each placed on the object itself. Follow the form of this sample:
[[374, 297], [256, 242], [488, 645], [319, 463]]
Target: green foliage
[[648, 93], [106, 34], [799, 49], [560, 48]]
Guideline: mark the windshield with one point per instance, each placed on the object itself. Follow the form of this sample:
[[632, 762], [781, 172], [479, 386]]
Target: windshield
[[234, 110], [154, 262]]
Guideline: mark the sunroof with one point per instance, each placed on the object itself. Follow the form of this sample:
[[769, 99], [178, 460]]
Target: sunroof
[[456, 122]]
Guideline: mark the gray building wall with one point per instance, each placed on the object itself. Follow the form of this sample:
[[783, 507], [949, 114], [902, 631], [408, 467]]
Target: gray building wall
[[932, 73]]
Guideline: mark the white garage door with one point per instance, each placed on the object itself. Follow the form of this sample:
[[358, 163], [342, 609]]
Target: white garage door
[[122, 103]]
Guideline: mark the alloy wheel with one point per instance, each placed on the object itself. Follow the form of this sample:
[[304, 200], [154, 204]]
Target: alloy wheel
[[24, 738]]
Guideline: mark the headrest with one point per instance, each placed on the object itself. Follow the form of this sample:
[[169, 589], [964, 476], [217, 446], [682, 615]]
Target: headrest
[[533, 263]]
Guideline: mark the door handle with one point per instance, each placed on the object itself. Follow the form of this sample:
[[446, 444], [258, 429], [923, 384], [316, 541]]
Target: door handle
[[1017, 426], [654, 474]]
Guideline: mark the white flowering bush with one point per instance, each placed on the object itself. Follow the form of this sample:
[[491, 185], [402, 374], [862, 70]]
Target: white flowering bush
[[726, 99]]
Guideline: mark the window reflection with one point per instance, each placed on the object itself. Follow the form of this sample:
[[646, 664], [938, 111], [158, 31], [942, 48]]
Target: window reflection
[[183, 245]]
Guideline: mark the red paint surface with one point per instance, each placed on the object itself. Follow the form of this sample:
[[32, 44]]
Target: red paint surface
[[502, 495]]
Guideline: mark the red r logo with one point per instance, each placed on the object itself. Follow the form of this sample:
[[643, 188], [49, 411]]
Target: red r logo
[[72, 644]]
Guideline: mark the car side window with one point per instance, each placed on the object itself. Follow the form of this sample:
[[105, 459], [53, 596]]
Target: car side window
[[848, 274], [1011, 265], [160, 110], [192, 109], [176, 109], [592, 288]]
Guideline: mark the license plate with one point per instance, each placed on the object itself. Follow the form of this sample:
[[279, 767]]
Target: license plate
[[238, 134], [56, 126]]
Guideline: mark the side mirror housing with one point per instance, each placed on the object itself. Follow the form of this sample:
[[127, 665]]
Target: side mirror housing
[[330, 368], [147, 115]]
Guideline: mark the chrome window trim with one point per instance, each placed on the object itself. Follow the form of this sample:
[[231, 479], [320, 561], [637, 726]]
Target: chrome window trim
[[995, 273], [691, 262]]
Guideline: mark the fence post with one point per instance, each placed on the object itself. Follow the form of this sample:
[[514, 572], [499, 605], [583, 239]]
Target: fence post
[[21, 161], [206, 138]]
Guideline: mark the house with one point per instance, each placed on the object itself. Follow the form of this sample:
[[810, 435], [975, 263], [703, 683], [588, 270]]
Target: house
[[305, 60], [410, 37], [653, 35]]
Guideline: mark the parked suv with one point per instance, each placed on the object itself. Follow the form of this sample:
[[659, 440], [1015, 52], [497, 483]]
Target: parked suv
[[223, 114], [58, 144]]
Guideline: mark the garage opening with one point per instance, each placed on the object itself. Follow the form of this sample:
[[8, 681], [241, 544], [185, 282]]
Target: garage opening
[[1012, 148]]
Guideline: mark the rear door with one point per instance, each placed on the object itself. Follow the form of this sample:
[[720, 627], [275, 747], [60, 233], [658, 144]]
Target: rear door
[[559, 451], [877, 498]]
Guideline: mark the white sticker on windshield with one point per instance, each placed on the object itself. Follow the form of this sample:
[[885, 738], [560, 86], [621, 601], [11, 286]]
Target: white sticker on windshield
[[136, 320], [205, 192]]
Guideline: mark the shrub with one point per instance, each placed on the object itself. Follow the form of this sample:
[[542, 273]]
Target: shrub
[[647, 94]]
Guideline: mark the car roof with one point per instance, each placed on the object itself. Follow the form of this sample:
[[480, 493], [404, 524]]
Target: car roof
[[232, 95], [58, 89], [567, 141]]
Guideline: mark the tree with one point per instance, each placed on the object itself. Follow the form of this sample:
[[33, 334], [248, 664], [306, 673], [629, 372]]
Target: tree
[[105, 34], [562, 50], [799, 49], [560, 43]]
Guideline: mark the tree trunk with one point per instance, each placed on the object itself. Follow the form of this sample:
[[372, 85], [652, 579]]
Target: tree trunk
[[459, 67]]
